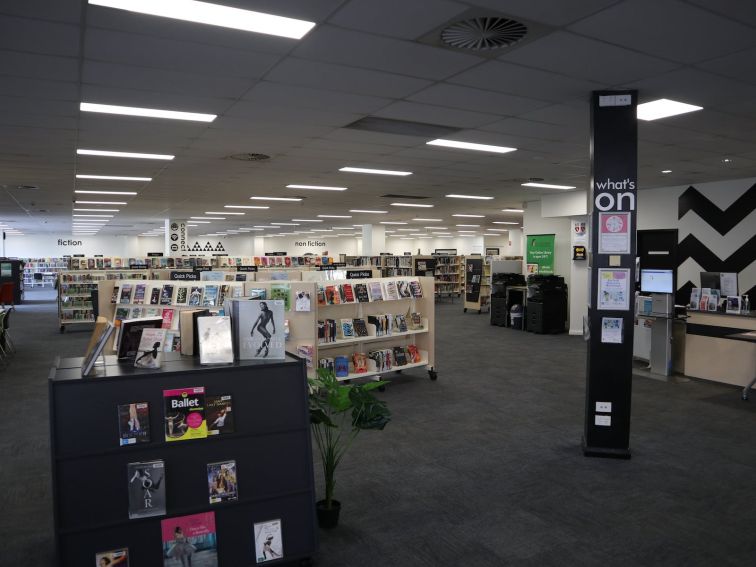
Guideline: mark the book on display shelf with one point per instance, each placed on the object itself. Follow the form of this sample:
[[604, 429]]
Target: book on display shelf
[[222, 483], [403, 287], [282, 292], [416, 289], [220, 415], [360, 328], [96, 348], [347, 293], [360, 362], [166, 295], [308, 353], [125, 293], [215, 341], [341, 366], [155, 296], [182, 295], [332, 295], [259, 329], [400, 322], [391, 292], [190, 541], [268, 541], [376, 293], [195, 296], [382, 359], [167, 315], [347, 328], [150, 351], [153, 312], [139, 292], [114, 296], [258, 293], [136, 312], [302, 301], [113, 558], [185, 413], [134, 423], [413, 354], [695, 298], [146, 485], [211, 296], [188, 330], [131, 334], [361, 292], [321, 295], [414, 321], [400, 356]]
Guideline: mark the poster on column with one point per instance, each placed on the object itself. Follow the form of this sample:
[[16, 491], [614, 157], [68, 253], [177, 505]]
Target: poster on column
[[540, 251], [579, 232], [613, 290], [614, 233]]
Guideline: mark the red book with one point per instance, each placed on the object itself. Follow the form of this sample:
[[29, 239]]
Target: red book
[[167, 318], [348, 293]]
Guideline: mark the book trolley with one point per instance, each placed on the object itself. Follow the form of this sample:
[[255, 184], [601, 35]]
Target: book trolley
[[270, 445], [477, 274]]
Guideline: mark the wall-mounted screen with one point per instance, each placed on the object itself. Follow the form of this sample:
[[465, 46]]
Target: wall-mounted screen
[[657, 281]]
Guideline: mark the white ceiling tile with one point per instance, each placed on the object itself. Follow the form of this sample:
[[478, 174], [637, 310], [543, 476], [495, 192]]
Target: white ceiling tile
[[39, 88], [552, 12], [145, 51], [575, 113], [431, 114], [739, 10], [291, 115], [738, 66], [694, 87], [59, 10], [42, 121], [294, 71], [668, 29], [45, 67], [396, 18], [265, 93], [346, 47], [457, 96], [570, 54], [525, 82], [39, 36], [540, 130]]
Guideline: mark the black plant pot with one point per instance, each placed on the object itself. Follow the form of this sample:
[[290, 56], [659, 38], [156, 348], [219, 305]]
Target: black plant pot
[[328, 519]]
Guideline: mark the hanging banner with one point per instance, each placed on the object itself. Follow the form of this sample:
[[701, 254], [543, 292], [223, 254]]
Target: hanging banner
[[540, 251]]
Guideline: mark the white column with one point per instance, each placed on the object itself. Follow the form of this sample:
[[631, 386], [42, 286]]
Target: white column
[[258, 246], [373, 239]]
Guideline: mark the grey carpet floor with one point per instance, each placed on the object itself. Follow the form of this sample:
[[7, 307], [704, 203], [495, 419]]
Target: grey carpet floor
[[481, 468]]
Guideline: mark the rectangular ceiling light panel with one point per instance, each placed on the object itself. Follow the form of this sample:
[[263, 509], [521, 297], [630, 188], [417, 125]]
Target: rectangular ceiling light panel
[[663, 108], [471, 146], [146, 112]]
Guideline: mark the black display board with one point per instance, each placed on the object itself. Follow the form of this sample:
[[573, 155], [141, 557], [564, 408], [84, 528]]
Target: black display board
[[184, 276], [425, 267], [271, 446], [359, 274], [473, 277], [614, 183]]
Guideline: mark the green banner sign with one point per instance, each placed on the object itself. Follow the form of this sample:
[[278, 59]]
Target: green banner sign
[[540, 252]]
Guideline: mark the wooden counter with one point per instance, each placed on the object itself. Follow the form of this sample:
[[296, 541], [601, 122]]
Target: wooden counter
[[712, 356]]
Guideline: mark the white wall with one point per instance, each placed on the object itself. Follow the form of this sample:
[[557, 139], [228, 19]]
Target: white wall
[[57, 245]]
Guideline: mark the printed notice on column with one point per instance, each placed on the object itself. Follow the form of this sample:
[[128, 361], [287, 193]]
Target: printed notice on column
[[614, 233], [614, 290]]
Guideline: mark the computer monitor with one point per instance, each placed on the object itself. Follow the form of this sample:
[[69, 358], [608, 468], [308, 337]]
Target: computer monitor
[[711, 280], [657, 281]]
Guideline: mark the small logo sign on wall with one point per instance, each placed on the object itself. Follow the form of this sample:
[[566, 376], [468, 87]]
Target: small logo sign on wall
[[578, 252]]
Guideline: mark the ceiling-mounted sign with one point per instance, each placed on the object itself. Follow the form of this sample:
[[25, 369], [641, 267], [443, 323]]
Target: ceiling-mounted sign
[[184, 276], [359, 274], [154, 254], [177, 235], [246, 268]]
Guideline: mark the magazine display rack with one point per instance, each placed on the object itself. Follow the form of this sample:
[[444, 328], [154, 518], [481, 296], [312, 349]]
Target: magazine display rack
[[75, 289], [477, 274], [303, 325], [270, 445]]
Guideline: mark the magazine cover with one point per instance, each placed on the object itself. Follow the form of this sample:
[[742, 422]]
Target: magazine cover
[[146, 489], [268, 541], [361, 292], [302, 301], [347, 293], [403, 286], [220, 416], [134, 423], [214, 336], [190, 541], [139, 292], [261, 330], [136, 312], [167, 318], [416, 289], [211, 296], [114, 558], [182, 295], [376, 294], [195, 296], [155, 296], [281, 292], [151, 347], [114, 297], [166, 295], [185, 414], [391, 291], [221, 482], [126, 293]]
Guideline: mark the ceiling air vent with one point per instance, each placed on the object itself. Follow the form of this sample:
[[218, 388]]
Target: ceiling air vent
[[393, 196], [249, 157], [484, 33]]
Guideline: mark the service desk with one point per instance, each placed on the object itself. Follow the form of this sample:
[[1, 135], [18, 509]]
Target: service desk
[[709, 354]]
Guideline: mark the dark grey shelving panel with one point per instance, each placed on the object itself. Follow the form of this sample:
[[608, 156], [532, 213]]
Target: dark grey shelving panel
[[271, 446]]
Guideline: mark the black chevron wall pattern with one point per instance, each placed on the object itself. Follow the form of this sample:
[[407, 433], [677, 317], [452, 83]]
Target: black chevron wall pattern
[[691, 247]]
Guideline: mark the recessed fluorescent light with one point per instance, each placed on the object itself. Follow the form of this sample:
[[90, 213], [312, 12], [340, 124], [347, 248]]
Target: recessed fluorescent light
[[392, 222], [427, 220], [306, 220], [375, 171], [147, 112], [95, 210], [470, 216], [436, 227], [471, 146], [411, 205], [100, 202], [350, 234], [222, 213], [504, 222], [407, 229], [317, 187], [214, 15], [322, 230], [108, 216], [547, 185], [456, 196], [192, 225], [497, 230], [251, 229], [245, 207], [666, 171], [342, 228], [201, 222], [285, 223], [208, 218], [113, 177], [475, 225], [276, 198], [663, 108], [107, 153], [335, 216], [368, 211], [513, 210], [87, 192]]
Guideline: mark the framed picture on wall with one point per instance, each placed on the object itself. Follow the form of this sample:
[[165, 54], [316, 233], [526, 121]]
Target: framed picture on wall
[[492, 251]]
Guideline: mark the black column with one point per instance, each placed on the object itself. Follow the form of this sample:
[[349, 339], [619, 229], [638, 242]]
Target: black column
[[614, 165]]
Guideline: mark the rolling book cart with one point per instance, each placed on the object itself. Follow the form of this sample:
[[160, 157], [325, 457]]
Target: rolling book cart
[[270, 444], [477, 275]]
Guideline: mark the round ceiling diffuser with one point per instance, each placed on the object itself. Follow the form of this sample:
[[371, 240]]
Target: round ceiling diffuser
[[482, 34], [249, 157]]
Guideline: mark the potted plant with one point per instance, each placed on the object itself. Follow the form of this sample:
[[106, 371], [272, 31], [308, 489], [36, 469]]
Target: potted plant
[[338, 412]]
